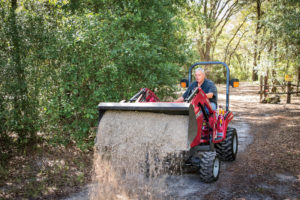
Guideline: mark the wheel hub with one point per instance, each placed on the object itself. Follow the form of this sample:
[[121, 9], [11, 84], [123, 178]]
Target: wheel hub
[[234, 144], [216, 167]]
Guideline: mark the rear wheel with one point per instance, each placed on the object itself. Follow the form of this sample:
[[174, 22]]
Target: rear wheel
[[209, 167], [227, 149]]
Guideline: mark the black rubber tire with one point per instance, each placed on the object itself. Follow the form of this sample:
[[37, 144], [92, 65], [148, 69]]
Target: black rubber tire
[[208, 171], [226, 149]]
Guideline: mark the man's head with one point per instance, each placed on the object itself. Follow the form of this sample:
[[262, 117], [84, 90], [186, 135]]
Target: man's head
[[199, 75]]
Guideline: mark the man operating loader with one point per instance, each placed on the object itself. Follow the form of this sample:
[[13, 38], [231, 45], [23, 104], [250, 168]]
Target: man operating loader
[[206, 85]]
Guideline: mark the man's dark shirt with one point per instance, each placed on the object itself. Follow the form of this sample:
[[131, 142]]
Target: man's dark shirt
[[207, 86]]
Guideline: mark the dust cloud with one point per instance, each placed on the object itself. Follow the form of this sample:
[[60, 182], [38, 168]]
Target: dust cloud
[[133, 151]]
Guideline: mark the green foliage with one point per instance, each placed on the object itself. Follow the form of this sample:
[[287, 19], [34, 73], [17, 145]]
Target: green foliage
[[283, 22], [18, 103], [70, 56]]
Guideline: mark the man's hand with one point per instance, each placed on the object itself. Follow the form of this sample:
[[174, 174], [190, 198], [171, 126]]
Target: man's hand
[[209, 95], [180, 99]]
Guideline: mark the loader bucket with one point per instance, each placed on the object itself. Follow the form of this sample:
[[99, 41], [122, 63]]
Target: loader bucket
[[151, 115]]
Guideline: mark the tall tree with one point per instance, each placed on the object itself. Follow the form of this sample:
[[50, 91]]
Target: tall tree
[[19, 104], [211, 17], [256, 42]]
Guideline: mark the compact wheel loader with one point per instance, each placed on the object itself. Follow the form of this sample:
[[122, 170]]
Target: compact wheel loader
[[208, 137]]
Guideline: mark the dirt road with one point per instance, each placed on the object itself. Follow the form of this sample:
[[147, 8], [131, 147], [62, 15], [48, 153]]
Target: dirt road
[[268, 163], [270, 166]]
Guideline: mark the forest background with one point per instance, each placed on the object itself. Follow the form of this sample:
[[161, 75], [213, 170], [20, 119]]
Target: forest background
[[60, 58]]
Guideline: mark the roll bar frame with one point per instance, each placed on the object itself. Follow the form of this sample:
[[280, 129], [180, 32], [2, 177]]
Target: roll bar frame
[[227, 76]]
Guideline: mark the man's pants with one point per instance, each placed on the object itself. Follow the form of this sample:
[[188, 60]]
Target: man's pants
[[213, 106]]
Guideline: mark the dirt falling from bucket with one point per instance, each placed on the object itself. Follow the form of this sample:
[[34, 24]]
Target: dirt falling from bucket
[[131, 153]]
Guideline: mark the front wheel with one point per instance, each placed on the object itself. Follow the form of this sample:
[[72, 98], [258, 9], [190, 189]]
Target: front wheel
[[227, 149], [209, 167]]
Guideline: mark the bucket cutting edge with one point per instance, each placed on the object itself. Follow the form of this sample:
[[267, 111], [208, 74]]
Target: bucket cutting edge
[[158, 107]]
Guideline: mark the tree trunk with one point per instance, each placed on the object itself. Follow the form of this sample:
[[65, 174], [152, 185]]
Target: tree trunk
[[289, 90], [261, 89], [287, 57], [275, 53], [298, 80], [205, 51], [266, 86], [257, 31], [19, 91]]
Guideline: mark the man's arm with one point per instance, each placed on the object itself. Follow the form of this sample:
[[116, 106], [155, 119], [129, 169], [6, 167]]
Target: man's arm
[[185, 95], [187, 92], [212, 90], [208, 95]]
